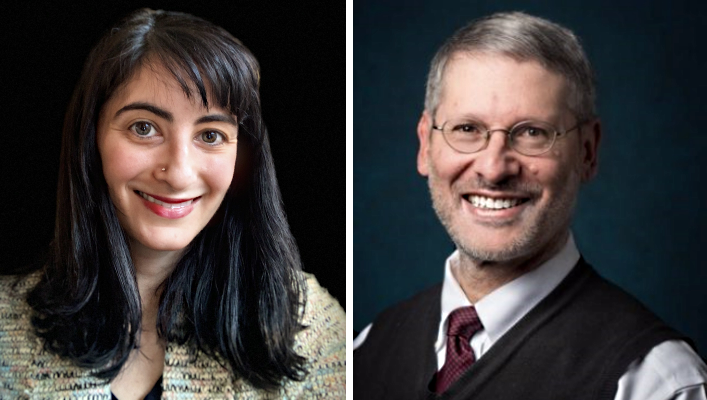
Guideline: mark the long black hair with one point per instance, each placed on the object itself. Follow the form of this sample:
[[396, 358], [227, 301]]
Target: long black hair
[[237, 292]]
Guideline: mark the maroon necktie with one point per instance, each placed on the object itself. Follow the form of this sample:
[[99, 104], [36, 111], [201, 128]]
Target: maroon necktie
[[463, 323]]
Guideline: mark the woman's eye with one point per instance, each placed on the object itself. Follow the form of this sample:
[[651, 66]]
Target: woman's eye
[[142, 128], [212, 137]]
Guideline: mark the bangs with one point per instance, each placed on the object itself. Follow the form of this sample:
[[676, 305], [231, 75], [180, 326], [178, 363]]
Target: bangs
[[217, 79], [208, 63]]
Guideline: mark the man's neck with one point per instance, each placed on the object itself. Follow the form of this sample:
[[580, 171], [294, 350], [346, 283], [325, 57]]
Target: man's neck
[[478, 278]]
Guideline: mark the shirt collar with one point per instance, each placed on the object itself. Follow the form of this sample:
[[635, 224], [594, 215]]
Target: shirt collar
[[502, 308]]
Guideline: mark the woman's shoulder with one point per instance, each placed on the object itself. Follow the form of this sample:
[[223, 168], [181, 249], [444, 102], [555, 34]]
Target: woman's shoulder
[[26, 368], [14, 310], [16, 345], [13, 294], [13, 285], [320, 303], [323, 343]]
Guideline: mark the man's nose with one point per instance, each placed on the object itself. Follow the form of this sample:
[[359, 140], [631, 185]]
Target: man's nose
[[497, 161]]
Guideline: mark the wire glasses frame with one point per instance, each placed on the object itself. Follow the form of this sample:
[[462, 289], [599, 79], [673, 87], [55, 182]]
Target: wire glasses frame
[[530, 138]]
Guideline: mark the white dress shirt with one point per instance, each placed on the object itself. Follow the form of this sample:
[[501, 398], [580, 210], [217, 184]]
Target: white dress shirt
[[670, 371]]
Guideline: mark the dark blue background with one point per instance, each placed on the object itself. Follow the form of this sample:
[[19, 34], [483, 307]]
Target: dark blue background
[[640, 222]]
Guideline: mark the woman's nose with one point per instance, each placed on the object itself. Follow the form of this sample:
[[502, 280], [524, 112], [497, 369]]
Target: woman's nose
[[179, 168]]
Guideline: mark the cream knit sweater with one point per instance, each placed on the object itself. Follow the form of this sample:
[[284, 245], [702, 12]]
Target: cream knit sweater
[[29, 372]]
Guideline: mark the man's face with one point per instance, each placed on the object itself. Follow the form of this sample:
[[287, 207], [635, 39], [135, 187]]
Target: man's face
[[536, 195]]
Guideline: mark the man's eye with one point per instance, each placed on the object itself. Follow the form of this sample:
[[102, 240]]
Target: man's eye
[[533, 132], [466, 128], [212, 137], [142, 128]]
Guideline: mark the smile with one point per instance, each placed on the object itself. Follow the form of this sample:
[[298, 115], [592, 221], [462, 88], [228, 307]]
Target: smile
[[167, 207], [494, 203], [171, 204]]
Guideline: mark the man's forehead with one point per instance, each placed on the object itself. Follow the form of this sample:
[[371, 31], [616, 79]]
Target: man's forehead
[[495, 81], [477, 60]]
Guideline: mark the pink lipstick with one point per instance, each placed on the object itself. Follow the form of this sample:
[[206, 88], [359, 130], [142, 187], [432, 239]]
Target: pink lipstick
[[167, 207]]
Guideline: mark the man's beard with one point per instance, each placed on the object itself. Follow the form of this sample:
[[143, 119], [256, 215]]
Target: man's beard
[[539, 225]]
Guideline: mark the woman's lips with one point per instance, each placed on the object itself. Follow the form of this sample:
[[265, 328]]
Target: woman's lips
[[167, 207]]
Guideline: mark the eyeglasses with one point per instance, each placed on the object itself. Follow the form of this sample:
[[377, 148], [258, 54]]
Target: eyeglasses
[[530, 138]]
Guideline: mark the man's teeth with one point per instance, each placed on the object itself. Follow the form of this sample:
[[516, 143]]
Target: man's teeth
[[163, 204], [496, 204]]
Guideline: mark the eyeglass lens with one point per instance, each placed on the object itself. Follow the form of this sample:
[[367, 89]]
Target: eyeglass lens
[[530, 138]]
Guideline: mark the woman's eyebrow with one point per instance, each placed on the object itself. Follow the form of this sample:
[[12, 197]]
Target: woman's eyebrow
[[164, 114], [147, 107], [217, 118]]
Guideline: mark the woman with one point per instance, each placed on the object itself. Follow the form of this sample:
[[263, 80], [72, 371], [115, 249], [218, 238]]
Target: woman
[[172, 268]]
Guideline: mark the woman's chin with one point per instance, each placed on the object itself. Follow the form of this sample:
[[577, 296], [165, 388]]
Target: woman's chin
[[160, 244]]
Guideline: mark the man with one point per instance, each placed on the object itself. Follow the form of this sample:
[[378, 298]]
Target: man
[[508, 135]]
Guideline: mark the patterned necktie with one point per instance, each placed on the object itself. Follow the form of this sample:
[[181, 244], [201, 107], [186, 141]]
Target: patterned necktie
[[463, 323]]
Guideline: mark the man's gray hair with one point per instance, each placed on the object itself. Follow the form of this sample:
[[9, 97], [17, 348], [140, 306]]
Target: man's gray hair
[[524, 38]]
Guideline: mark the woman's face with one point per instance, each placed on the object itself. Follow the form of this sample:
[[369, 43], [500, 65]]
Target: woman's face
[[167, 160]]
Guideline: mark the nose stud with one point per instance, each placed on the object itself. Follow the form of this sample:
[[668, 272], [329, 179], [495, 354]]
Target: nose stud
[[164, 169]]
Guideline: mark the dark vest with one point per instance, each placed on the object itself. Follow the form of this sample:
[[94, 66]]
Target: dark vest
[[575, 344]]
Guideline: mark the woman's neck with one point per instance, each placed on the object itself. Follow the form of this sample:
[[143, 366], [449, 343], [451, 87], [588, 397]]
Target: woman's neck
[[145, 365], [152, 267]]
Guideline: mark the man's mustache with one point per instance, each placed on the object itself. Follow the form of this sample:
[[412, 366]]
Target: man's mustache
[[512, 185]]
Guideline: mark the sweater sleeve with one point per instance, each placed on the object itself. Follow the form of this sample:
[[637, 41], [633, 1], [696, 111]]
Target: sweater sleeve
[[323, 344], [14, 326], [26, 370]]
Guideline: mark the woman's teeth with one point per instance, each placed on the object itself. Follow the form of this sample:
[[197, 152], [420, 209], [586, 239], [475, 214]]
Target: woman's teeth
[[495, 204], [163, 204]]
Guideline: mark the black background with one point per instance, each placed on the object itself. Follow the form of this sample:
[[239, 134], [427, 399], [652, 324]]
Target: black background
[[300, 48]]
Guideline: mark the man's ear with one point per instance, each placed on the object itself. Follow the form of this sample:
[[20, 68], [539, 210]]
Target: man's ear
[[424, 129], [590, 137]]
